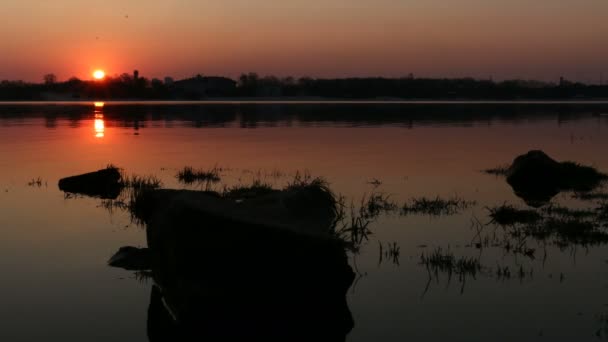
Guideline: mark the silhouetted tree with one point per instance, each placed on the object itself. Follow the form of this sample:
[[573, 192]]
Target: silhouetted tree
[[126, 78], [50, 79]]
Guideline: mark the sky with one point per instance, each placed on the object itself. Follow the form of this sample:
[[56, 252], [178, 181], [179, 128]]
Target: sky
[[540, 39]]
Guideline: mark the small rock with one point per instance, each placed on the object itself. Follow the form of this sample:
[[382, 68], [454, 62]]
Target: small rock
[[104, 183], [131, 258]]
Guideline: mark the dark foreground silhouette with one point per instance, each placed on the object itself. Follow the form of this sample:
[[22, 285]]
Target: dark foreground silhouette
[[223, 276]]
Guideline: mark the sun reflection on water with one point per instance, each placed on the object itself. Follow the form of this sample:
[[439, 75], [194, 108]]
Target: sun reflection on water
[[99, 124]]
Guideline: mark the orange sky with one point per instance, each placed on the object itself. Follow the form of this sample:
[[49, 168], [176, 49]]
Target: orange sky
[[321, 38]]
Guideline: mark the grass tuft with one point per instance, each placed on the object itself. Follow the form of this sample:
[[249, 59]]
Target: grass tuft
[[141, 182], [190, 175], [257, 188], [498, 171], [445, 261], [35, 182], [436, 206], [376, 204]]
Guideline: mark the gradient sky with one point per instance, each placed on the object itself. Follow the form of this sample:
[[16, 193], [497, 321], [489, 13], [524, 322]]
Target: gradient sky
[[540, 39]]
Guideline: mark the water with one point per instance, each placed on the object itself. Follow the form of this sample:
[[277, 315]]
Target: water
[[53, 252]]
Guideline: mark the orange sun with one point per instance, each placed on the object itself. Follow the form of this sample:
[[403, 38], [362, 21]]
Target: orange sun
[[99, 74]]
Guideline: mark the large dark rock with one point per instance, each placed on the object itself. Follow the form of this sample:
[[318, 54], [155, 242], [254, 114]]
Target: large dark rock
[[537, 178], [104, 183], [228, 271]]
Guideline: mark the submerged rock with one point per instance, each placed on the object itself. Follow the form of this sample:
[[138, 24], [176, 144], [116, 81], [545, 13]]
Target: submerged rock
[[131, 258], [537, 178], [105, 183]]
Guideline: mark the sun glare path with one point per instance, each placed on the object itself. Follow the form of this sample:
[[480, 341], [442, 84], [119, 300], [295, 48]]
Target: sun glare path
[[99, 74], [99, 126], [98, 123]]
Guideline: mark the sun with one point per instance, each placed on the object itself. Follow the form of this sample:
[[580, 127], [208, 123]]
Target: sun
[[99, 74]]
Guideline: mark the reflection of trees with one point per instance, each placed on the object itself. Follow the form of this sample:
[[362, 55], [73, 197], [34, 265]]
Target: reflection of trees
[[270, 115]]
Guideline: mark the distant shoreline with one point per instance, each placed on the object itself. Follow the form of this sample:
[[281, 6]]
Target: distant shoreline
[[279, 100], [253, 88]]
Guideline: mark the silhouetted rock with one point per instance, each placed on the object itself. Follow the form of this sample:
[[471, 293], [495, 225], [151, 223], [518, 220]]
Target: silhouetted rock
[[254, 269], [104, 183], [304, 210], [536, 177], [223, 278], [131, 258]]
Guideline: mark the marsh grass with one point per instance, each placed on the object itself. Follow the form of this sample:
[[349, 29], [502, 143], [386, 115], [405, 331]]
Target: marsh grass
[[581, 178], [560, 225], [354, 227], [436, 206], [565, 212], [37, 182], [242, 191], [351, 228], [376, 204], [189, 175], [111, 205], [568, 231], [591, 196], [141, 182], [390, 251], [501, 170], [135, 196], [131, 196], [505, 272], [508, 215], [305, 180], [445, 261]]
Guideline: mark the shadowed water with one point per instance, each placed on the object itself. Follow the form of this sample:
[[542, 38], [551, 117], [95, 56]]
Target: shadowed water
[[509, 286]]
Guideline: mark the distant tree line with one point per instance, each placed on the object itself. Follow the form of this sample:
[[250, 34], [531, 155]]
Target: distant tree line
[[251, 85], [414, 88], [125, 86]]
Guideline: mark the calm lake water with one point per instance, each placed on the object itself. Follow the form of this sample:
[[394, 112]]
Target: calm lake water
[[54, 249]]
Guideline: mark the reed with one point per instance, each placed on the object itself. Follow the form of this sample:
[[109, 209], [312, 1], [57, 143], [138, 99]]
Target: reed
[[436, 206], [35, 182], [189, 175], [440, 260]]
